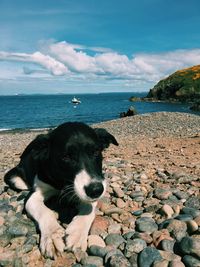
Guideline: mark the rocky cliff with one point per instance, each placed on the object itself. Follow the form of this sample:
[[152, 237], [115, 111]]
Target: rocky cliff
[[183, 85]]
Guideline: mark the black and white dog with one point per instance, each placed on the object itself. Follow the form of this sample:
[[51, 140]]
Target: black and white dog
[[66, 162]]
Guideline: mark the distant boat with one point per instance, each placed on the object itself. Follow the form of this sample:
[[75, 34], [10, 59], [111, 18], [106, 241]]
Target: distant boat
[[75, 100]]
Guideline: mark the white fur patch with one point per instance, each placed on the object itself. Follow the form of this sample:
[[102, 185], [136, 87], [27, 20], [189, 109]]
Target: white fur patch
[[19, 183], [52, 233], [83, 179], [77, 231]]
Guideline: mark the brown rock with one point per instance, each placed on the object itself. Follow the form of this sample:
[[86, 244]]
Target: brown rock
[[158, 236], [99, 225]]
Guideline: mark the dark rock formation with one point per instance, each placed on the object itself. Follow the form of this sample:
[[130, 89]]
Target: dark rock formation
[[196, 106], [183, 85], [130, 112]]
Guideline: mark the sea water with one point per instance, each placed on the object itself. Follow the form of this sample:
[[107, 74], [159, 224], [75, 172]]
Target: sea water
[[44, 111]]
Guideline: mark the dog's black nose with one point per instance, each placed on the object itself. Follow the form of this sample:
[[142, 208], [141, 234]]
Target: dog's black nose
[[94, 190]]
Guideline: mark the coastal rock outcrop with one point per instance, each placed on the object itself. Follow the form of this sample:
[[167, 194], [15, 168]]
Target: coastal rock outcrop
[[183, 85], [130, 112]]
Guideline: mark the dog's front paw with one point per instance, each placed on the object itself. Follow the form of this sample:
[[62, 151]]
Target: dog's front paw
[[51, 243], [77, 234]]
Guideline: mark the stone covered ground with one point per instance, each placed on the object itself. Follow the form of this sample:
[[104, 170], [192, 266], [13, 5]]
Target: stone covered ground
[[150, 215]]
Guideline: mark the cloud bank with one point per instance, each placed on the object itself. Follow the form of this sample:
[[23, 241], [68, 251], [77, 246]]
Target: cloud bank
[[96, 63]]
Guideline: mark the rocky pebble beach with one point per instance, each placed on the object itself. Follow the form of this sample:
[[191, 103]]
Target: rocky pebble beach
[[150, 215]]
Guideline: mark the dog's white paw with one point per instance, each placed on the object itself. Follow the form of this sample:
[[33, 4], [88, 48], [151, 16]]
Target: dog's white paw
[[77, 234], [51, 243]]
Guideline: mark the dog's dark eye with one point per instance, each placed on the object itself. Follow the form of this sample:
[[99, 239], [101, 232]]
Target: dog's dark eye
[[96, 153], [66, 157]]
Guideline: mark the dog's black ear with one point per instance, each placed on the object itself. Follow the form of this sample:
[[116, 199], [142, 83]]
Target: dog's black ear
[[38, 148], [105, 138]]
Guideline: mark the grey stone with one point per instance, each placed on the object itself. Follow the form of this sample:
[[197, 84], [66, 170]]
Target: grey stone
[[18, 229], [191, 261], [119, 260], [97, 251], [137, 212], [189, 245], [5, 239], [175, 263], [114, 240], [112, 253], [184, 217], [18, 262], [193, 202], [177, 229], [136, 245], [146, 224], [161, 263], [181, 195], [148, 256], [5, 208], [167, 245], [93, 260], [134, 260], [128, 235], [161, 193], [191, 211]]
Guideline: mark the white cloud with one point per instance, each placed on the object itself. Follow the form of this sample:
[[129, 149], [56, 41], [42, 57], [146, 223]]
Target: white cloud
[[75, 62], [47, 62], [146, 67]]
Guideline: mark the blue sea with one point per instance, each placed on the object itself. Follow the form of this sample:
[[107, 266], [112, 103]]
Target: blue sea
[[44, 111]]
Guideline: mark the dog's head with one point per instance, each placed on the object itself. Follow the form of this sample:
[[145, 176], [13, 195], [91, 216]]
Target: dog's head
[[74, 157]]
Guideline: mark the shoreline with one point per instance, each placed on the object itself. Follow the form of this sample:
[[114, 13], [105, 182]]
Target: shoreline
[[39, 130]]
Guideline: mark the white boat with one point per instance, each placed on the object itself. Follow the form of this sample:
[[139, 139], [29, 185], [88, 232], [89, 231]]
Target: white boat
[[75, 100]]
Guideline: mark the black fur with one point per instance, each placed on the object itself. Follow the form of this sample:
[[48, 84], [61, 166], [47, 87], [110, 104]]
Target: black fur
[[56, 157]]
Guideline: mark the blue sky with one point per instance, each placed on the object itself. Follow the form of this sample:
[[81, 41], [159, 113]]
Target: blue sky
[[70, 46]]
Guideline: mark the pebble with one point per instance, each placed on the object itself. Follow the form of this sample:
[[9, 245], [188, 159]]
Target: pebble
[[177, 229], [181, 195], [160, 263], [137, 212], [5, 239], [146, 224], [148, 256], [134, 260], [112, 253], [118, 191], [189, 245], [168, 245], [121, 234], [114, 228], [184, 217], [95, 240], [167, 210], [169, 256], [17, 229], [135, 245], [191, 211], [95, 250], [192, 226], [119, 260], [120, 203], [2, 221], [114, 240], [162, 194], [191, 261], [113, 210], [92, 260], [176, 264], [99, 225], [193, 202]]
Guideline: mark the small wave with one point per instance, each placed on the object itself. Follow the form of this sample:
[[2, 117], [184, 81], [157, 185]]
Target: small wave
[[5, 129]]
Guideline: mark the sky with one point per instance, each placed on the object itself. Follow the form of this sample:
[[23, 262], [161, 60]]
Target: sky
[[90, 46]]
